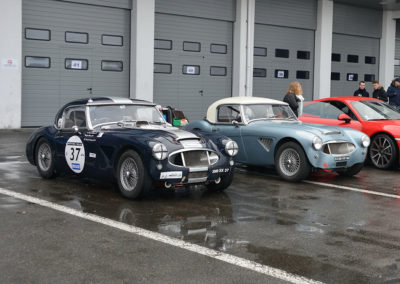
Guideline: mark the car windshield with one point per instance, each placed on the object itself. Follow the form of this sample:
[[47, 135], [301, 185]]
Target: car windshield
[[113, 114], [375, 110], [267, 112]]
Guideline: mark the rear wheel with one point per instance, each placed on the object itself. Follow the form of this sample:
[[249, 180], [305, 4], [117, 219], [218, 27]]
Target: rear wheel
[[44, 158], [353, 170], [383, 152], [132, 177], [291, 162], [225, 182]]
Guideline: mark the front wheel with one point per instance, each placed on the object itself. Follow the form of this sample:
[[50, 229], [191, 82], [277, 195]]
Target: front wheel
[[132, 177], [353, 170], [222, 185], [44, 159], [383, 152], [291, 162]]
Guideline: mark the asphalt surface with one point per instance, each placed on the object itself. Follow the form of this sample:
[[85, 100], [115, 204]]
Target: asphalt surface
[[332, 235]]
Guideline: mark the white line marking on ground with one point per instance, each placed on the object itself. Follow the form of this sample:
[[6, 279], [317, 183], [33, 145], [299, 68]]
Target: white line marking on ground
[[14, 162], [353, 189], [241, 262]]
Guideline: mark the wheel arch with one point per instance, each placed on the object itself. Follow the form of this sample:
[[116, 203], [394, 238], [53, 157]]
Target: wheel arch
[[393, 140], [119, 153], [289, 139]]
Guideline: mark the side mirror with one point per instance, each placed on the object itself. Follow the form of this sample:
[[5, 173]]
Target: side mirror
[[344, 117], [235, 123], [75, 128]]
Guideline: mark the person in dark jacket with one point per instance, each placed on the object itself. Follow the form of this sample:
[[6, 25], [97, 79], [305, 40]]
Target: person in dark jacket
[[393, 93], [294, 97], [361, 92], [379, 92]]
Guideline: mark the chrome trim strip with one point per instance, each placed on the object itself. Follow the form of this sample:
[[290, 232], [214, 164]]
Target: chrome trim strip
[[199, 169], [337, 142], [397, 139], [195, 180], [191, 149]]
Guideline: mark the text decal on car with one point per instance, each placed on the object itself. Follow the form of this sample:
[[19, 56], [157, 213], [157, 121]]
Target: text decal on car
[[75, 154]]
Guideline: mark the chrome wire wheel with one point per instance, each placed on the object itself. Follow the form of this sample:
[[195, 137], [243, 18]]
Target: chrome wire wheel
[[382, 151], [44, 157], [289, 162], [129, 174]]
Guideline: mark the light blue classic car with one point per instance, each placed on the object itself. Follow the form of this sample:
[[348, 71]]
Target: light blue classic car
[[268, 133]]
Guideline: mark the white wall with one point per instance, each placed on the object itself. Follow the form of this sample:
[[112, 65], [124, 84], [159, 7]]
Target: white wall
[[10, 60]]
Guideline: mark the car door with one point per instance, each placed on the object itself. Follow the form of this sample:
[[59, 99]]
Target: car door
[[327, 112], [229, 123]]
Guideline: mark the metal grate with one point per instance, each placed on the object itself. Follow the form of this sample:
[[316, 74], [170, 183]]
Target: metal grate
[[193, 159], [266, 143], [338, 148]]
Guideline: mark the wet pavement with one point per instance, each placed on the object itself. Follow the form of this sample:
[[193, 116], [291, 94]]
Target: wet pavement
[[327, 234]]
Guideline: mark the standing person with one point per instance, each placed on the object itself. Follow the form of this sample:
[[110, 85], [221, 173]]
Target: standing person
[[294, 97], [379, 92], [361, 91], [393, 93]]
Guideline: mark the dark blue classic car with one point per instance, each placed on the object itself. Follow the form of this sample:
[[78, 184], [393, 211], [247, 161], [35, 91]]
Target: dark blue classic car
[[130, 142]]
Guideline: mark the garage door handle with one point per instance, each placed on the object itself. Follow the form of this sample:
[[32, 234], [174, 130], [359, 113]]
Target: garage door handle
[[90, 90], [201, 92]]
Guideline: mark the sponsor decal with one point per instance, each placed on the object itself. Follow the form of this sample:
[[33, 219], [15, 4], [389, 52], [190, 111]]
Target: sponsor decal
[[92, 155], [170, 175], [75, 154]]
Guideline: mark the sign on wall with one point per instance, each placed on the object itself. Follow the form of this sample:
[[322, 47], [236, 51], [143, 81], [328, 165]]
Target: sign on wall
[[9, 63]]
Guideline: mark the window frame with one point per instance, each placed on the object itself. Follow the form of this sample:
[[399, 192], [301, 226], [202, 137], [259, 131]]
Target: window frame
[[230, 122], [168, 64], [333, 54], [37, 66], [260, 47], [68, 58], [354, 56], [308, 57], [38, 30], [183, 46], [187, 65], [335, 73], [87, 37], [77, 107], [282, 49], [306, 72], [219, 44], [119, 61], [160, 39], [286, 74], [371, 57], [106, 44], [224, 67], [264, 69], [355, 79]]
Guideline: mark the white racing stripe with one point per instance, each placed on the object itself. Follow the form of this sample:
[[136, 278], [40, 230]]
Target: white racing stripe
[[241, 262], [353, 189]]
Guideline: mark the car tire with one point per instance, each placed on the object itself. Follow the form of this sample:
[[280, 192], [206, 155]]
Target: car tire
[[385, 158], [291, 162], [133, 178], [225, 182], [44, 157], [353, 170]]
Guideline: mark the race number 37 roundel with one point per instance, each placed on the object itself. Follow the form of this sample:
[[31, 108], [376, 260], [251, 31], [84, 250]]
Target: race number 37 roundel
[[75, 154]]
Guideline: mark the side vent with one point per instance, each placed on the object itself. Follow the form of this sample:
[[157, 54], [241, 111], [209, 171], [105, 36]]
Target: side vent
[[266, 143]]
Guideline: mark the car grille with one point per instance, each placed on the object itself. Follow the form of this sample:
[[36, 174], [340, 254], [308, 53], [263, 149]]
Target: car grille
[[198, 175], [338, 148], [193, 158]]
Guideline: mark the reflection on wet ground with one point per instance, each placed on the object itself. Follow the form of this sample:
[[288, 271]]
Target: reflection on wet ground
[[326, 234]]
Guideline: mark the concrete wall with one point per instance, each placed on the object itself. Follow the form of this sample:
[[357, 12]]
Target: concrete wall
[[11, 61]]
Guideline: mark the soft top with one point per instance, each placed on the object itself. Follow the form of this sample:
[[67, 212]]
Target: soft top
[[212, 109]]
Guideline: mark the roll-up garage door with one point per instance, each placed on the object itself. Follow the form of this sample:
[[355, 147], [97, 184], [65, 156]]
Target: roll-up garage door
[[355, 48], [283, 47], [72, 50], [397, 51], [193, 54]]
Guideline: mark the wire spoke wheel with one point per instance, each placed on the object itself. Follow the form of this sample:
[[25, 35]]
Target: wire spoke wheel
[[382, 151], [44, 157], [289, 161], [129, 174]]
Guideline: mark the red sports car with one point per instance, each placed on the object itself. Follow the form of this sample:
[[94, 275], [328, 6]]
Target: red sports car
[[380, 121]]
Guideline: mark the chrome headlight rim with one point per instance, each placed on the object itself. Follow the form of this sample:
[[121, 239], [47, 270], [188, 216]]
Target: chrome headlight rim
[[317, 143], [159, 151], [365, 141], [231, 148]]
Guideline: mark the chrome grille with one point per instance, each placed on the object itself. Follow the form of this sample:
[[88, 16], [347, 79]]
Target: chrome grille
[[338, 148], [193, 158]]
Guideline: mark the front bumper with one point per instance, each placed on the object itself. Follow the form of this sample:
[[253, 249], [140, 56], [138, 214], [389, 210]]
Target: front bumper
[[321, 160]]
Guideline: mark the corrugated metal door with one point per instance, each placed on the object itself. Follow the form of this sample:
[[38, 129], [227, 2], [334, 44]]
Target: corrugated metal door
[[354, 59], [283, 47], [193, 56], [70, 51]]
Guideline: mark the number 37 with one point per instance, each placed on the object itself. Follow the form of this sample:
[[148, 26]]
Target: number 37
[[74, 156]]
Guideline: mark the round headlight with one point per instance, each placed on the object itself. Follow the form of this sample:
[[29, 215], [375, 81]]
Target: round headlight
[[231, 148], [317, 143], [365, 141], [160, 152]]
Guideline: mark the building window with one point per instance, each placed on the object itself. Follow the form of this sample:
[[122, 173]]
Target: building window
[[219, 48], [162, 68], [76, 37], [191, 46], [191, 69], [37, 34], [300, 74], [282, 53], [217, 71], [335, 76], [369, 77], [228, 113], [352, 58], [260, 51], [114, 40], [37, 62], [76, 64], [163, 44], [370, 60], [336, 57], [352, 77], [301, 54], [108, 65], [260, 72], [282, 74]]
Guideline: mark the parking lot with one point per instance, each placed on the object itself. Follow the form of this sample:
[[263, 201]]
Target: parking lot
[[328, 228]]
